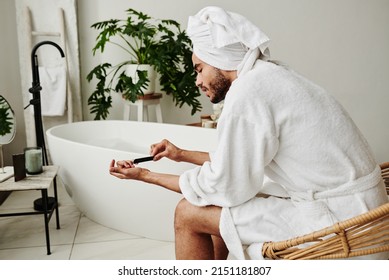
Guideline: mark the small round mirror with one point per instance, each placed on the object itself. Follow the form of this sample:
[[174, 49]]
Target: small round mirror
[[7, 122], [7, 133]]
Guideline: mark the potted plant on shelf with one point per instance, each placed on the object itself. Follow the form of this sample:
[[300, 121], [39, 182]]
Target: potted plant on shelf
[[158, 43]]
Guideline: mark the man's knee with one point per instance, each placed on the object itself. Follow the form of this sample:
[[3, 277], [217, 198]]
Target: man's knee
[[185, 215], [182, 214], [194, 218]]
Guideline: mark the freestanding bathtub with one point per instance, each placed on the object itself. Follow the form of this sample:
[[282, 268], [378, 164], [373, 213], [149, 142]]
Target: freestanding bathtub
[[83, 150]]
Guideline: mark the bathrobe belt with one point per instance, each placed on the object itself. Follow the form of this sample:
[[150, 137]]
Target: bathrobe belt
[[361, 184]]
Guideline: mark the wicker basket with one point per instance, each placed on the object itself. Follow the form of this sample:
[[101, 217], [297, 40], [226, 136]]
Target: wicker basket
[[385, 175], [362, 235]]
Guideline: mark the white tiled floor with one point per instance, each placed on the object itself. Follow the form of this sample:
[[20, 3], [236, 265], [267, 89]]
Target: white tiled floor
[[23, 237]]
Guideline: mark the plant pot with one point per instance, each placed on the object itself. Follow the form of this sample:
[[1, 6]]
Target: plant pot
[[131, 71]]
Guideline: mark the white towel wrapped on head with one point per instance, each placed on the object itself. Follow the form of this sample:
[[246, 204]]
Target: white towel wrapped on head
[[53, 93], [227, 40]]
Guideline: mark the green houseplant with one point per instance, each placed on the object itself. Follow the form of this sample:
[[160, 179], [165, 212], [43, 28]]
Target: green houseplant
[[159, 43], [6, 117]]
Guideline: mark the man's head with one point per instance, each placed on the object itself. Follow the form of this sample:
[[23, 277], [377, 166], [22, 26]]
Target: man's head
[[226, 40], [225, 45], [214, 82]]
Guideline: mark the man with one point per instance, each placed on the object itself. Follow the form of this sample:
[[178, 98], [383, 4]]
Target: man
[[280, 136]]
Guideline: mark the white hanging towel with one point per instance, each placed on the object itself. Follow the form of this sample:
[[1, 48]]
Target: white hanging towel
[[53, 93]]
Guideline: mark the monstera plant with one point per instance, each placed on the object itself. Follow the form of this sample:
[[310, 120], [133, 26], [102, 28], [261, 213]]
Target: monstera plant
[[159, 43], [6, 117]]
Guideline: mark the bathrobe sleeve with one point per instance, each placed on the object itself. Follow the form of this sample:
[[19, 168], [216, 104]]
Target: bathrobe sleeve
[[247, 143]]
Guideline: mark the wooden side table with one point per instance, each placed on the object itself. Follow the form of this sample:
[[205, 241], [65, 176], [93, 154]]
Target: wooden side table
[[42, 182], [142, 104]]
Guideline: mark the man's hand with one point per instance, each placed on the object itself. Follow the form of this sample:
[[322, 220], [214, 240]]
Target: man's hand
[[125, 169], [165, 149]]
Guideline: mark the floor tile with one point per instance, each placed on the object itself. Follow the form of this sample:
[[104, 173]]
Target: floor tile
[[136, 249], [61, 252], [89, 231], [29, 231]]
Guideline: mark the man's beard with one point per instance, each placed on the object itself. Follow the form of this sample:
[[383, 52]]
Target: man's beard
[[219, 87]]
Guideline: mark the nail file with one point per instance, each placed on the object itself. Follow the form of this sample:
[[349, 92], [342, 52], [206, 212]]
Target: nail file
[[139, 160]]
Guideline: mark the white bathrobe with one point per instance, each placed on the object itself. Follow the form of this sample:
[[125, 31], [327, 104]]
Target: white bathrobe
[[281, 134]]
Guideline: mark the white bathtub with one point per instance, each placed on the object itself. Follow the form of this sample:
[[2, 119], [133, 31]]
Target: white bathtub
[[84, 150]]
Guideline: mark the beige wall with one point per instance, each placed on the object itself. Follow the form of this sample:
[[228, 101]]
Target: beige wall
[[10, 86], [341, 45]]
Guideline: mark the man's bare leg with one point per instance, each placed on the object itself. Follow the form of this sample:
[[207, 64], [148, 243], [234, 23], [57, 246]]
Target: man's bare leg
[[219, 248], [196, 230]]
